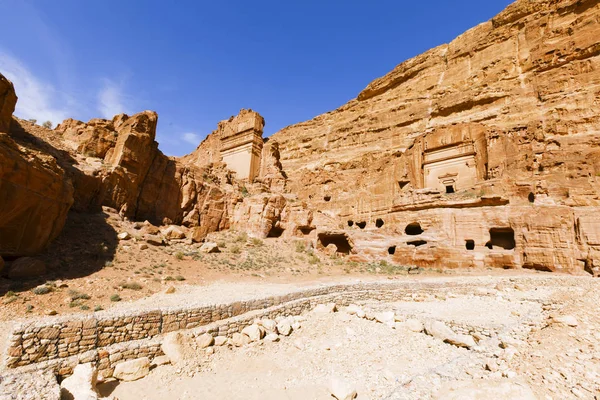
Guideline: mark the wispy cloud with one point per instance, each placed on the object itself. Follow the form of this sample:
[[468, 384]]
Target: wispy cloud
[[111, 100], [191, 138], [37, 99]]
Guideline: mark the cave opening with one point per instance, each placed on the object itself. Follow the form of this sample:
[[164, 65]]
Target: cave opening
[[275, 232], [340, 241], [449, 189], [327, 198], [350, 223], [470, 244], [361, 225], [379, 223], [413, 229], [392, 250], [502, 237], [306, 230], [417, 243], [531, 198]]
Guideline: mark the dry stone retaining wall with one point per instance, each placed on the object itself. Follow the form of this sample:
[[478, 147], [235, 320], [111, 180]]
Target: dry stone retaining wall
[[110, 338]]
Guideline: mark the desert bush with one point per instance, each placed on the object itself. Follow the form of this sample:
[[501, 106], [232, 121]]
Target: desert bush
[[115, 297], [43, 289], [300, 246], [236, 249], [76, 295], [47, 124], [131, 285], [257, 242], [179, 278], [179, 255]]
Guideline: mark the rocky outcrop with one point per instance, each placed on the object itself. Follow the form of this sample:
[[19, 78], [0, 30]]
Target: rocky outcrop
[[8, 100], [490, 143], [35, 197]]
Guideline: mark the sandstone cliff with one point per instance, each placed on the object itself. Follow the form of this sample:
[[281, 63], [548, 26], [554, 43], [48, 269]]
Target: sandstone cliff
[[493, 134]]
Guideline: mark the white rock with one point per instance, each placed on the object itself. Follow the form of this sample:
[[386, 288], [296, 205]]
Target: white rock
[[205, 340], [296, 325], [175, 346], [161, 360], [220, 340], [239, 340], [440, 331], [386, 317], [414, 325], [254, 332], [269, 325], [342, 390], [284, 327], [325, 308], [82, 384], [272, 337], [210, 247], [567, 320], [133, 369], [124, 236]]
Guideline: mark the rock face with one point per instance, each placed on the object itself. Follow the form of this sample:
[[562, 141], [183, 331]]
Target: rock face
[[8, 100], [35, 197], [480, 152]]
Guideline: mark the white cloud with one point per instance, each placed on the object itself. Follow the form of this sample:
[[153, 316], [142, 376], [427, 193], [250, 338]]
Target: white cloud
[[111, 100], [37, 99], [191, 138]]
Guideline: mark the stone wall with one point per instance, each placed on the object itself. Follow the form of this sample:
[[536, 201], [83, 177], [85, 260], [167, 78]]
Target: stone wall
[[107, 338]]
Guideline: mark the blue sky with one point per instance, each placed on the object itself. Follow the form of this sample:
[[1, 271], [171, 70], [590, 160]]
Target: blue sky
[[199, 62]]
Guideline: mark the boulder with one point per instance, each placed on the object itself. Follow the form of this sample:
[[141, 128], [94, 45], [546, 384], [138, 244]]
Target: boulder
[[284, 327], [342, 390], [269, 325], [566, 320], [132, 370], [205, 340], [254, 332], [413, 325], [239, 340], [173, 232], [441, 331], [210, 247], [161, 360], [325, 308], [272, 337], [386, 317], [81, 385], [175, 346], [221, 340], [26, 268], [124, 236], [353, 309]]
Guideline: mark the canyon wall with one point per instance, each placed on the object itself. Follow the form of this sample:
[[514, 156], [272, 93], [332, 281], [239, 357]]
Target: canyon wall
[[494, 135]]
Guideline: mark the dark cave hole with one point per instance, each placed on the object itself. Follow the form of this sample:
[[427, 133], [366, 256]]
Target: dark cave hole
[[413, 229]]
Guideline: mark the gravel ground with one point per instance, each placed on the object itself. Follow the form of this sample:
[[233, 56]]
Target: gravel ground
[[514, 322]]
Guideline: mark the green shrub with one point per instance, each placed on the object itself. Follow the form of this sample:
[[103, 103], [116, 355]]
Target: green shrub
[[44, 289], [242, 237], [115, 297], [257, 242], [300, 246], [179, 255], [131, 285], [98, 308], [179, 278], [76, 295], [236, 249], [84, 307], [169, 278]]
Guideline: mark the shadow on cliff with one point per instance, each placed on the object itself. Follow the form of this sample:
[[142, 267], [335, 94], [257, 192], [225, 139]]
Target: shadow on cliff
[[86, 244], [87, 241]]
